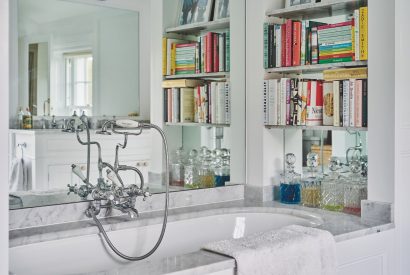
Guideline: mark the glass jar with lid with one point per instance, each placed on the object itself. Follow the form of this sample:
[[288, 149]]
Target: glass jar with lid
[[191, 176], [176, 177], [311, 183], [205, 171], [355, 189], [332, 188], [290, 182], [222, 171]]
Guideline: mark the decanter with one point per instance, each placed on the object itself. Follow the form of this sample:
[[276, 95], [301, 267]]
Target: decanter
[[191, 176], [177, 169], [332, 193], [311, 183], [355, 190], [290, 182]]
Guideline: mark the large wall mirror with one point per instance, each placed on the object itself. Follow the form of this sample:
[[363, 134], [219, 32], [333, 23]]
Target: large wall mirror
[[77, 57]]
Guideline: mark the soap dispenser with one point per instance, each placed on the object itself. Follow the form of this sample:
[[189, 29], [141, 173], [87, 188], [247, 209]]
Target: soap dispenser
[[332, 189], [290, 182]]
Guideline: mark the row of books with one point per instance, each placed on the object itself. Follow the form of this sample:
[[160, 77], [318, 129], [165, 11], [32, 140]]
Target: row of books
[[306, 42], [291, 101], [210, 53], [206, 103]]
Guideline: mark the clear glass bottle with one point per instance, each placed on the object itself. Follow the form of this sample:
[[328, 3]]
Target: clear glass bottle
[[290, 182], [27, 120], [20, 115], [177, 169], [222, 171], [191, 176], [206, 173], [311, 183], [332, 192], [355, 190]]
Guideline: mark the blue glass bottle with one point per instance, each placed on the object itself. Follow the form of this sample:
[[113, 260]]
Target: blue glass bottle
[[290, 182]]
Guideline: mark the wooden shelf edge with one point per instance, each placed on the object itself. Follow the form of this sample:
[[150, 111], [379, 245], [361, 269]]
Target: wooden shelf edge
[[201, 75], [195, 124], [327, 128], [195, 27], [317, 67]]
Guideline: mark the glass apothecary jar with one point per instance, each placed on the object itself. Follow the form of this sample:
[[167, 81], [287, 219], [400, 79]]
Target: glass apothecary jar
[[332, 188], [191, 174], [176, 177], [205, 171], [311, 184], [355, 189], [290, 182]]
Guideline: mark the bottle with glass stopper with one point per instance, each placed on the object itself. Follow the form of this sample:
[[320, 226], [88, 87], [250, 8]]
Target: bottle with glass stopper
[[191, 176], [311, 183], [222, 171], [177, 169], [355, 190], [332, 193], [290, 182], [206, 173]]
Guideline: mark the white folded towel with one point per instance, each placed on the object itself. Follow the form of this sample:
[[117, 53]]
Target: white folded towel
[[291, 250], [18, 176]]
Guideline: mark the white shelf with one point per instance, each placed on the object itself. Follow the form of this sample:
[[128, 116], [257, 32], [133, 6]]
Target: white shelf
[[324, 128], [195, 124], [317, 67], [201, 75], [326, 8], [198, 27]]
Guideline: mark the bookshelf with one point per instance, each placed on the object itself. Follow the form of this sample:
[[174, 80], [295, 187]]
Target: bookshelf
[[196, 28], [316, 67], [326, 8], [317, 128], [217, 75], [195, 124]]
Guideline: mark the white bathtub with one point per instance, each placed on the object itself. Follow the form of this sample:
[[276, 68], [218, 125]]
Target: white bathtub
[[88, 253]]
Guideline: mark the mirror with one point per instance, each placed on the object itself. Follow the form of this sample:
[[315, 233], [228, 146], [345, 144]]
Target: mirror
[[77, 57]]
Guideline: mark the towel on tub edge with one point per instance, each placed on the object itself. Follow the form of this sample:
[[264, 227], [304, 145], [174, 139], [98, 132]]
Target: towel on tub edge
[[290, 250]]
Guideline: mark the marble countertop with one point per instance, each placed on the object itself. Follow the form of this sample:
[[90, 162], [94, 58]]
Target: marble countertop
[[342, 226]]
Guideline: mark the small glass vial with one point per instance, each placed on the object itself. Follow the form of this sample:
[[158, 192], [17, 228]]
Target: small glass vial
[[222, 172], [290, 182], [332, 193], [191, 176], [311, 183], [206, 173], [177, 169], [355, 190]]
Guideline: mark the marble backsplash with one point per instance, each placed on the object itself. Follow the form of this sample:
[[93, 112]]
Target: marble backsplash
[[55, 214]]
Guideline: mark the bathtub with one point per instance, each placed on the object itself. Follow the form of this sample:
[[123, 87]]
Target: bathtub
[[184, 234]]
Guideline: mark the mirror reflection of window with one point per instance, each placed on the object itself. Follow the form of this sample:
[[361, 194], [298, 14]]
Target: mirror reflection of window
[[79, 87]]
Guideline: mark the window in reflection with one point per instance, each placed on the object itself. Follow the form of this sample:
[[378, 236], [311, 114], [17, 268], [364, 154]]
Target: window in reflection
[[79, 89]]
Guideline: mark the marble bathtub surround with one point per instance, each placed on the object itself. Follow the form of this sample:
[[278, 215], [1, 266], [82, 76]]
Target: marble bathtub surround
[[374, 212], [72, 212]]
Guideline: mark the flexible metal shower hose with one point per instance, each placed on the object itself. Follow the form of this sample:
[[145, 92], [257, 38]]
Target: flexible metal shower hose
[[164, 223]]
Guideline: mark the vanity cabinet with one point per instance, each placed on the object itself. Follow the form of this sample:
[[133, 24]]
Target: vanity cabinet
[[49, 155]]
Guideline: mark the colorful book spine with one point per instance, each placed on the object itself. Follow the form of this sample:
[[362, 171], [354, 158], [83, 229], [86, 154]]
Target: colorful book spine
[[328, 107], [288, 43], [278, 39], [288, 97], [364, 103], [352, 108], [283, 45], [297, 32], [336, 98], [164, 56], [346, 93], [265, 45], [227, 51], [216, 53], [363, 44], [314, 115], [272, 101], [303, 44], [209, 52], [314, 46], [358, 113]]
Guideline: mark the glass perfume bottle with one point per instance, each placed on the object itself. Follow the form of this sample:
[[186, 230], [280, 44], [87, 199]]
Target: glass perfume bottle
[[191, 176], [311, 183], [290, 182], [355, 190], [332, 193], [177, 169]]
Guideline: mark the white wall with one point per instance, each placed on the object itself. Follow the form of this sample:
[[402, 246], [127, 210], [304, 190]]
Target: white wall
[[4, 106], [402, 136]]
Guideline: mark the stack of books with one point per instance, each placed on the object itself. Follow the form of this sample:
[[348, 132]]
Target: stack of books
[[338, 100], [188, 100], [210, 53], [306, 42]]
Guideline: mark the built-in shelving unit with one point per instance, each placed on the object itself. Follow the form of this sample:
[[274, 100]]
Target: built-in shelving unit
[[326, 8], [201, 75], [199, 27], [324, 128], [194, 124], [316, 67]]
